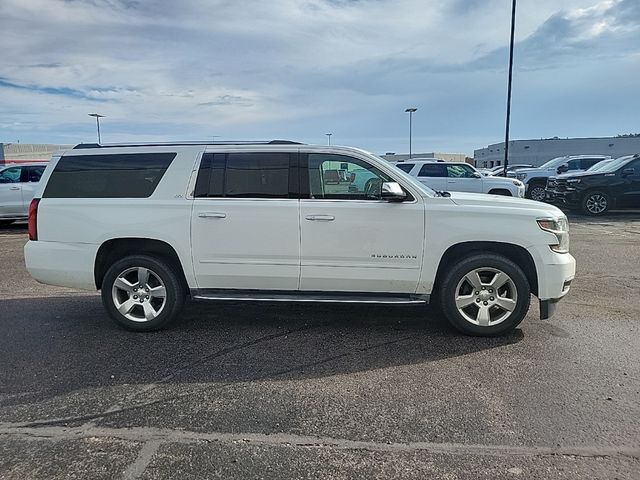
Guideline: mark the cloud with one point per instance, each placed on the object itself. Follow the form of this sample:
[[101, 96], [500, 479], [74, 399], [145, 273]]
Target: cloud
[[299, 68]]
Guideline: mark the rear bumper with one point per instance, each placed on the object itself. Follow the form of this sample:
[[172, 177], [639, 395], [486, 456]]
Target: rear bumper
[[62, 264]]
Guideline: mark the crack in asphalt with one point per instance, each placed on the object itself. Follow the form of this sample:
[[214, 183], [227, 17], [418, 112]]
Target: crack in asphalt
[[155, 437]]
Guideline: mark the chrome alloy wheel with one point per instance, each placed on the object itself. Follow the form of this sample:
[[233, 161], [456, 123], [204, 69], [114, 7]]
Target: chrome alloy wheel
[[596, 203], [486, 296], [537, 193], [139, 294]]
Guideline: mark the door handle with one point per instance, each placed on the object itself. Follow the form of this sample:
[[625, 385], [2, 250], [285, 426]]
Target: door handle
[[322, 218], [14, 188], [212, 215]]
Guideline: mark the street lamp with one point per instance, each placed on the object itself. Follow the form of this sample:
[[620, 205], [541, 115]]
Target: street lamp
[[98, 117], [410, 111], [328, 138], [506, 130]]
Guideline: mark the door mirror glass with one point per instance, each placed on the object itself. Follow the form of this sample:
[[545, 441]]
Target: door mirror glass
[[563, 168], [392, 192], [628, 171]]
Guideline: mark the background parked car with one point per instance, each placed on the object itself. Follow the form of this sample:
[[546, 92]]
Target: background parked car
[[18, 183], [615, 185], [460, 177], [552, 181], [535, 179], [498, 171]]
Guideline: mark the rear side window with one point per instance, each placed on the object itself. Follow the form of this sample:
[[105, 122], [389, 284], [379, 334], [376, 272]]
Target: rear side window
[[405, 167], [432, 170], [134, 175], [245, 175]]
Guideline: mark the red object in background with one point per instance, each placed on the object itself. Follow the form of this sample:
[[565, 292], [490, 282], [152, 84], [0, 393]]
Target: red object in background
[[33, 219]]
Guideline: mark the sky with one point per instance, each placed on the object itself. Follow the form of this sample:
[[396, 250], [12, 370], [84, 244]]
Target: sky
[[168, 70]]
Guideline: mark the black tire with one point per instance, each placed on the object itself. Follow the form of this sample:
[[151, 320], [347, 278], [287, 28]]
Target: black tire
[[174, 293], [536, 192], [595, 203], [6, 223], [448, 290]]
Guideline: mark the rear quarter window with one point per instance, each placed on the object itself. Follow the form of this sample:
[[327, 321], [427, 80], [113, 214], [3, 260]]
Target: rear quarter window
[[134, 175]]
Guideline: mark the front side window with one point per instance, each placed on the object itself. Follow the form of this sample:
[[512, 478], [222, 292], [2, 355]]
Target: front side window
[[244, 175], [460, 171], [574, 164], [35, 173], [344, 178], [11, 175]]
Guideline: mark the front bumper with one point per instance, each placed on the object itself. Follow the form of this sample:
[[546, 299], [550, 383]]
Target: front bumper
[[555, 271]]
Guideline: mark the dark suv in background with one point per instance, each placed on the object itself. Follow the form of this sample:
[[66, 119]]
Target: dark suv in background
[[616, 185]]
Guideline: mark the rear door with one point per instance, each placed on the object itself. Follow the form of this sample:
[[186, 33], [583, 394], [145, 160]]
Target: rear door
[[11, 192], [31, 175], [461, 178], [433, 175], [245, 222]]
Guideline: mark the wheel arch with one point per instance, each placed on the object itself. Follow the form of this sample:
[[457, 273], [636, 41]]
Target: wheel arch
[[115, 249], [501, 191], [517, 254]]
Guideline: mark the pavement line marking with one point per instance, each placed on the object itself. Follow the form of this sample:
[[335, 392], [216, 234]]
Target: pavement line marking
[[156, 436], [142, 461]]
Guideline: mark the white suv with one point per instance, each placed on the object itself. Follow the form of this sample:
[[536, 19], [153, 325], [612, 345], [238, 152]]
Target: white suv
[[18, 183], [460, 177], [149, 225]]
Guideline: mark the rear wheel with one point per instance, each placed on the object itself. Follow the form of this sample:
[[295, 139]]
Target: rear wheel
[[536, 192], [596, 203], [485, 295], [142, 293]]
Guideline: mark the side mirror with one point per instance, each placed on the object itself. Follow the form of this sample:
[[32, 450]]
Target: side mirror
[[563, 168], [476, 175], [392, 192], [628, 171]]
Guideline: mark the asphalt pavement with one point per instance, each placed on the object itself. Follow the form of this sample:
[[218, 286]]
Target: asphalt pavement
[[241, 390]]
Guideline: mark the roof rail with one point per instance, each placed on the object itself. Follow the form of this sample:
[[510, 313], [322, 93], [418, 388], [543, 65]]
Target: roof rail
[[176, 144]]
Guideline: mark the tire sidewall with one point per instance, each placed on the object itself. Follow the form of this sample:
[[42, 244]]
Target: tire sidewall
[[533, 187], [174, 292], [448, 291], [590, 194]]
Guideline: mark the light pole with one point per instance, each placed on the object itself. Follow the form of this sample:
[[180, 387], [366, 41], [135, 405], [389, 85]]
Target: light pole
[[98, 117], [410, 111], [506, 132], [328, 138]]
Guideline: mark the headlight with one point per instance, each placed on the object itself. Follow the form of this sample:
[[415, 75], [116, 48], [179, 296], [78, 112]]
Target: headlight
[[560, 228], [517, 183], [521, 176], [573, 180]]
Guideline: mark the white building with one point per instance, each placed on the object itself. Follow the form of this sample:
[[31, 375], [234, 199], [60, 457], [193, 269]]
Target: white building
[[28, 152], [538, 151]]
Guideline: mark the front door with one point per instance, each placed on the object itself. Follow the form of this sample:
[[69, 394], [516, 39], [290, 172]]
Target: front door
[[629, 192], [461, 178], [11, 204], [245, 222], [351, 240]]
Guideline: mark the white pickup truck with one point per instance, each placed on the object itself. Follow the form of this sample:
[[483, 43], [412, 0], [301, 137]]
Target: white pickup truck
[[149, 225]]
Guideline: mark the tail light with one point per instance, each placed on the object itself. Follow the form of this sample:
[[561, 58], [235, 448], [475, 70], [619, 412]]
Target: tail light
[[33, 219]]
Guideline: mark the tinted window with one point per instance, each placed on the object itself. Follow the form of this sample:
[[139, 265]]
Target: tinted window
[[459, 171], [432, 170], [35, 173], [108, 176], [10, 175], [405, 167], [574, 164], [344, 178], [244, 175], [589, 162]]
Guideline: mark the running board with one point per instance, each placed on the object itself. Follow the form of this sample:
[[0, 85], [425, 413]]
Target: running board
[[301, 296]]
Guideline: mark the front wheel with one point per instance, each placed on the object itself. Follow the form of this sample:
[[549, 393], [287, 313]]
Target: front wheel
[[596, 203], [485, 295], [142, 293], [537, 192]]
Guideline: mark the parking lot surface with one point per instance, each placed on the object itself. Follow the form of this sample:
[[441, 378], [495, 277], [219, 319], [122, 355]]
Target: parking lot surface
[[278, 391]]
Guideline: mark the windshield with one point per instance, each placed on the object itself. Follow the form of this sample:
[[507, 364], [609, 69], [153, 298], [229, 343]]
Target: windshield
[[599, 166], [554, 162], [616, 164]]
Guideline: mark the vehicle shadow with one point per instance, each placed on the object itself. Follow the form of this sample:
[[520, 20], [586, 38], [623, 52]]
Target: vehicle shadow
[[56, 345]]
